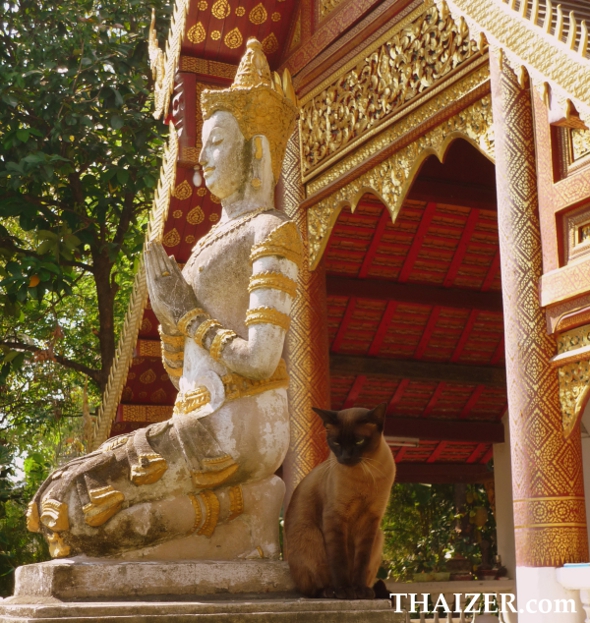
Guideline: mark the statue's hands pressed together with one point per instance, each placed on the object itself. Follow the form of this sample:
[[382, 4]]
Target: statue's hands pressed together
[[171, 297]]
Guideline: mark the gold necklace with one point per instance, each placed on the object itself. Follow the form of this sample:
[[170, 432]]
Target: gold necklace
[[216, 232]]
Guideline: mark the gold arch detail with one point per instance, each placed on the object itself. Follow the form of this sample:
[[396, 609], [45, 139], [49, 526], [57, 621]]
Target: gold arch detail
[[391, 179]]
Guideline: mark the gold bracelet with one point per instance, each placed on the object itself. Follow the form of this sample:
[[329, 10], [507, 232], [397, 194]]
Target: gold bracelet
[[176, 341], [273, 280], [202, 330], [211, 512], [198, 513], [267, 315], [170, 356], [221, 339], [184, 322], [175, 372]]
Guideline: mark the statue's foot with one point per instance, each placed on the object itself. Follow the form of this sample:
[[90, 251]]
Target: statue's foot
[[237, 534]]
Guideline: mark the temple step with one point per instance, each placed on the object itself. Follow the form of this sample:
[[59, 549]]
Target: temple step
[[261, 610]]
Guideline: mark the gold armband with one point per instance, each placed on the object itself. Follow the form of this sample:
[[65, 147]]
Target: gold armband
[[184, 322], [268, 315], [170, 356], [221, 339], [175, 372], [284, 241], [176, 341], [276, 281], [203, 328]]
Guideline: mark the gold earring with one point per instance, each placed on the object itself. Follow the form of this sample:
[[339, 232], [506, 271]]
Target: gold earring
[[258, 148], [256, 182]]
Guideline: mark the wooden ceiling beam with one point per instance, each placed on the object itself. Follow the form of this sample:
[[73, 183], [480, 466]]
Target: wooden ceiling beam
[[440, 429], [417, 370], [443, 473], [455, 193], [383, 290]]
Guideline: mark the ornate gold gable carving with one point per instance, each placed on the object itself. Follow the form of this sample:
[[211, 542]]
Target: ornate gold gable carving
[[413, 56], [557, 57], [573, 369], [391, 179]]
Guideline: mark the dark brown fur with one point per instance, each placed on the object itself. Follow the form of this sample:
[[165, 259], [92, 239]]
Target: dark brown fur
[[332, 535]]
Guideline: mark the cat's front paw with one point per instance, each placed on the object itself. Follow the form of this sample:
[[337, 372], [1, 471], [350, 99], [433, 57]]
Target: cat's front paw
[[364, 592], [340, 592]]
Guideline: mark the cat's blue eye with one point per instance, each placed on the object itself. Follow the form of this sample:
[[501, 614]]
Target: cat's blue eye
[[360, 442]]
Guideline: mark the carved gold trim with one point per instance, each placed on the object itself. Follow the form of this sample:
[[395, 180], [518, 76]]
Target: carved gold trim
[[273, 280], [283, 241], [138, 299], [198, 514], [203, 328], [211, 512], [462, 84], [221, 339], [416, 54], [236, 502], [54, 515], [105, 502], [164, 64], [391, 179], [268, 315], [526, 42], [57, 546], [189, 317], [573, 363]]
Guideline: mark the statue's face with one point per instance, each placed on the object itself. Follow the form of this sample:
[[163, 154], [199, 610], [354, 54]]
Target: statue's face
[[223, 155]]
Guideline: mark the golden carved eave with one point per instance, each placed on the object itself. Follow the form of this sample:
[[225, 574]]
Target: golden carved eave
[[524, 43], [390, 179], [382, 83]]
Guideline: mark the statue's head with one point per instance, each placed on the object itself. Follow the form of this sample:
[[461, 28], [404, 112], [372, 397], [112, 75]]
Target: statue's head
[[246, 127]]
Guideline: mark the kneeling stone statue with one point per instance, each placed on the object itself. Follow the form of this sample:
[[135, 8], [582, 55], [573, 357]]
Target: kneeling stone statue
[[201, 485]]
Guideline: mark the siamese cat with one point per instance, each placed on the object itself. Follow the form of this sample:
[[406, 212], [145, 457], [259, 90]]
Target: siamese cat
[[332, 535]]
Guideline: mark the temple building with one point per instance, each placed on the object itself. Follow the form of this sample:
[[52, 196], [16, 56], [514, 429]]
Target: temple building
[[440, 178]]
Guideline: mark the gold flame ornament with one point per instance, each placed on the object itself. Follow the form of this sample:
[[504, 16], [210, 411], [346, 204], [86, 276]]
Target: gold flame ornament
[[262, 102]]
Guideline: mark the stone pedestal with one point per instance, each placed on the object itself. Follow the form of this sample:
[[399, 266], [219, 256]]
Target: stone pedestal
[[251, 611], [89, 591]]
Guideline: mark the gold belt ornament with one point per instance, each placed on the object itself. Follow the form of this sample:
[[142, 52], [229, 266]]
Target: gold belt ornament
[[236, 386]]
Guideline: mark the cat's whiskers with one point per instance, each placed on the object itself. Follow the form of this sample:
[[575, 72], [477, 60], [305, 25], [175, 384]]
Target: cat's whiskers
[[372, 463], [367, 470]]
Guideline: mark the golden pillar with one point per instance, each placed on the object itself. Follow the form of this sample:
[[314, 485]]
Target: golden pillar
[[547, 481], [307, 342]]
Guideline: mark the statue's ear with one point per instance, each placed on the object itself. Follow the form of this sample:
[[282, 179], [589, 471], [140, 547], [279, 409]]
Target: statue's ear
[[328, 417]]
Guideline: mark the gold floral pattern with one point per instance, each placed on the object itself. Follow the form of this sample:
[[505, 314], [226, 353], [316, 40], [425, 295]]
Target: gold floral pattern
[[195, 216], [221, 9], [172, 238], [196, 33], [258, 14], [233, 39], [183, 191]]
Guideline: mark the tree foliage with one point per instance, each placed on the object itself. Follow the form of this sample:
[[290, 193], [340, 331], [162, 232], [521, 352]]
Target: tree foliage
[[425, 525], [79, 160], [79, 155]]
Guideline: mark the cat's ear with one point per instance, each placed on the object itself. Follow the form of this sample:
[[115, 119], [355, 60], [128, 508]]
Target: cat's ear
[[328, 417], [377, 415]]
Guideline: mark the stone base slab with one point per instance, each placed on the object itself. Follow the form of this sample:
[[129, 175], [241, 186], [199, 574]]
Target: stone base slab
[[96, 580], [49, 610]]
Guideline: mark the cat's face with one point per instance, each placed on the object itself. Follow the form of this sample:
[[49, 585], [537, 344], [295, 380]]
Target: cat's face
[[353, 433]]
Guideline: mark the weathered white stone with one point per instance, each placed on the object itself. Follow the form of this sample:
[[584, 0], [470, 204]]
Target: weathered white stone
[[79, 579], [251, 611]]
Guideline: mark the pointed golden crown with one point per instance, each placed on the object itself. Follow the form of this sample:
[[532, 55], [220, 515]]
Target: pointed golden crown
[[261, 102]]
